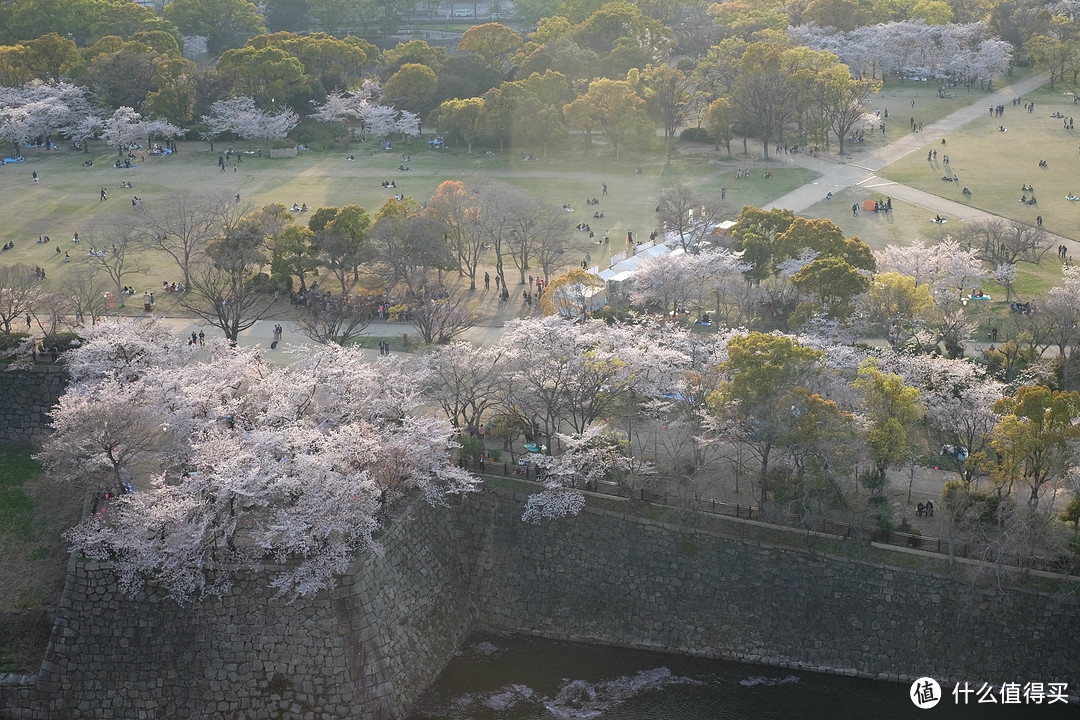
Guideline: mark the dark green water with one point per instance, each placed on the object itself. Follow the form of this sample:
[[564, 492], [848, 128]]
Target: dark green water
[[502, 677]]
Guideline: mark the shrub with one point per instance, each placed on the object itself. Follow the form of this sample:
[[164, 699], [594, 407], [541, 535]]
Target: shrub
[[882, 515], [281, 281], [695, 134], [324, 136], [471, 449], [261, 283]]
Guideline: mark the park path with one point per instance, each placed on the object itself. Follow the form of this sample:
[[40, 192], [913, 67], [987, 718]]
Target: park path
[[862, 172], [262, 333]]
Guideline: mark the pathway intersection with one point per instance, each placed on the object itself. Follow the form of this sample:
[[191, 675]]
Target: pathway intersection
[[836, 177]]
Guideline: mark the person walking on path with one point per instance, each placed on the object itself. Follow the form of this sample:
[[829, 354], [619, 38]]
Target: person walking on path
[[35, 177], [854, 209]]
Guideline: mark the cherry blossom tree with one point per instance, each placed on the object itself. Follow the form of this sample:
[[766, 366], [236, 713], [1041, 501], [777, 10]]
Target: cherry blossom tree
[[102, 433], [572, 374], [667, 281], [587, 458], [465, 380], [125, 126], [37, 110], [948, 268], [244, 119], [14, 121], [725, 284], [365, 105], [113, 350], [1062, 305], [1005, 274], [957, 270], [960, 52], [915, 260], [238, 464], [959, 402]]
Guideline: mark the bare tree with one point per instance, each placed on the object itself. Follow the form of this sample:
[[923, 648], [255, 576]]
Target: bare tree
[[496, 219], [334, 321], [222, 291], [115, 249], [550, 243], [441, 317], [407, 247], [1008, 242], [84, 294], [684, 212], [21, 288], [1034, 331], [183, 224], [225, 298], [536, 229]]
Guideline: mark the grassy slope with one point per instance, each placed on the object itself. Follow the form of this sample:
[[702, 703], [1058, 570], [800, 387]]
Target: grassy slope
[[33, 555]]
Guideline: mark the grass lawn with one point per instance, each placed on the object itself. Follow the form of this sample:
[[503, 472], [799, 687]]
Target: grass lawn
[[994, 165], [897, 97], [67, 198], [904, 224]]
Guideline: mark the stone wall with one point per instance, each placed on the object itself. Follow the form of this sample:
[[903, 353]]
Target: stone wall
[[608, 578], [369, 648], [27, 396], [365, 650]]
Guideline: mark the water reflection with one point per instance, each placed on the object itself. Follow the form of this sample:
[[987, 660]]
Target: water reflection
[[506, 677]]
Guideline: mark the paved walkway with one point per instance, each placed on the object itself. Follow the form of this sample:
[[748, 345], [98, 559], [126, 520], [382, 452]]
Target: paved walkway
[[863, 173], [836, 177], [262, 333]]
